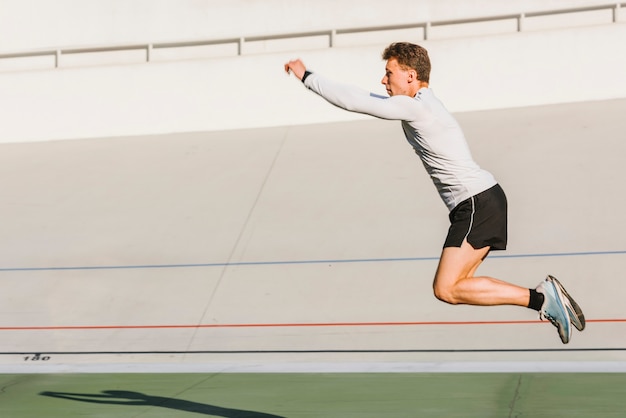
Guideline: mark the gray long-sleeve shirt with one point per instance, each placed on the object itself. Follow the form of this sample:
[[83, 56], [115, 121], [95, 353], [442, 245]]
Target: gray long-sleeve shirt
[[428, 126]]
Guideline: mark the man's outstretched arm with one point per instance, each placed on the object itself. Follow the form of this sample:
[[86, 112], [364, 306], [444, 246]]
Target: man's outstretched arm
[[355, 99]]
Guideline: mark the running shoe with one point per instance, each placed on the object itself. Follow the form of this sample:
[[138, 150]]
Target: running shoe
[[576, 315], [554, 310]]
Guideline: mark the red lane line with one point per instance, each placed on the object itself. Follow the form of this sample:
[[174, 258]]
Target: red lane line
[[333, 324]]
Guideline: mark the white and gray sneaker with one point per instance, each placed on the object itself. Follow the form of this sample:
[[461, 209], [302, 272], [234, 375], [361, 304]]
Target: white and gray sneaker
[[576, 316], [553, 308]]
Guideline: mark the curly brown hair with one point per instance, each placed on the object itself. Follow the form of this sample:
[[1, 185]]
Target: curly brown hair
[[411, 56]]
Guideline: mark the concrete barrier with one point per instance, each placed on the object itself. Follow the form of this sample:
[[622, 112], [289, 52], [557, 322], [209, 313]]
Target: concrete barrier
[[520, 69]]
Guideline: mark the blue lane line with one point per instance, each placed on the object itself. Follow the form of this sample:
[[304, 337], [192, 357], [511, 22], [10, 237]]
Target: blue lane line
[[276, 263]]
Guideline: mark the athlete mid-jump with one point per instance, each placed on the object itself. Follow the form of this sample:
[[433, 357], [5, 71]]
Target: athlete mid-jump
[[477, 203]]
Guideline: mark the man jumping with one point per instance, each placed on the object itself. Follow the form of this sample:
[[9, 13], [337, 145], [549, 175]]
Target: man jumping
[[477, 203]]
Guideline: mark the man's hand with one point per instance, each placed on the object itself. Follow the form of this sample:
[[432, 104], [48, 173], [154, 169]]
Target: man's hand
[[296, 67]]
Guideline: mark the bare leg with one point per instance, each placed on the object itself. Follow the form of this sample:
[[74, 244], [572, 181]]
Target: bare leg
[[455, 282]]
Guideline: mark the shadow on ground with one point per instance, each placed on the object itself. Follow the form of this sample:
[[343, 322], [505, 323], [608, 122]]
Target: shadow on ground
[[128, 398]]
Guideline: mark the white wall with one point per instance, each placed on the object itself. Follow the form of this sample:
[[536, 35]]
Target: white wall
[[518, 69], [33, 24]]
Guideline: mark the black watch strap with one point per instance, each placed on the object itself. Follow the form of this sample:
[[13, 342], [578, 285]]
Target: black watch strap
[[306, 74]]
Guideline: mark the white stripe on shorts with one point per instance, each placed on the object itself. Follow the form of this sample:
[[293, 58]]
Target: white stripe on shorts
[[469, 229]]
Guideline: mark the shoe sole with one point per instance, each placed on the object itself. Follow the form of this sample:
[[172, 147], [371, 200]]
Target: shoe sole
[[577, 318], [565, 331]]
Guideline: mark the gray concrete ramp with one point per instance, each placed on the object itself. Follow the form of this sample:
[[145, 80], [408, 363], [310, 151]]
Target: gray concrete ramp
[[303, 245]]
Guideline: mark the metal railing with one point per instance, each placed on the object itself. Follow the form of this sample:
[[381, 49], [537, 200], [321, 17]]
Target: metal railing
[[331, 34]]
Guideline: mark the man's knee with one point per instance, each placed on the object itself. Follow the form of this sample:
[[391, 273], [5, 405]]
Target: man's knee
[[444, 292]]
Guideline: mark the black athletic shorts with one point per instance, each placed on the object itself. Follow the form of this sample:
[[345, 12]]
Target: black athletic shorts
[[481, 220]]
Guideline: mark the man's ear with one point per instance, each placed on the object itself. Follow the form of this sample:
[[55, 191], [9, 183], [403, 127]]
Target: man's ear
[[413, 76]]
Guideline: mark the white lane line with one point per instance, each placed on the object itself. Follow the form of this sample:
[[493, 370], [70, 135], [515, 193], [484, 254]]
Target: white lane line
[[312, 367]]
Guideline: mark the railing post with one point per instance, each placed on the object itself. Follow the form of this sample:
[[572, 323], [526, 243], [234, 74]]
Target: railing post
[[520, 22], [331, 38], [57, 58], [616, 12], [240, 46], [148, 52], [426, 30]]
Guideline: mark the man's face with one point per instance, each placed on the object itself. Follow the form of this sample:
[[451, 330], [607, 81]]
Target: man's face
[[397, 80]]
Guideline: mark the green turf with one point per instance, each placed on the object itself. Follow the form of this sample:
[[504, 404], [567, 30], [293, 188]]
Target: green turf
[[380, 395]]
